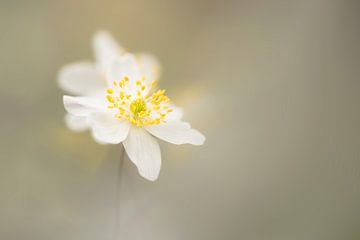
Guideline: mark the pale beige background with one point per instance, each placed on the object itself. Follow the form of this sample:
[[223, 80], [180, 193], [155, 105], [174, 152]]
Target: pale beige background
[[274, 85]]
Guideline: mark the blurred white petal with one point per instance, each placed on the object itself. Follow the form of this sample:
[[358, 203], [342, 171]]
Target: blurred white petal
[[149, 65], [106, 50], [125, 65], [80, 78]]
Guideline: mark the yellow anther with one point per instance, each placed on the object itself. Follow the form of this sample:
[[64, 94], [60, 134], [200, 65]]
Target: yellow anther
[[138, 82], [110, 99], [143, 87], [122, 111], [109, 90]]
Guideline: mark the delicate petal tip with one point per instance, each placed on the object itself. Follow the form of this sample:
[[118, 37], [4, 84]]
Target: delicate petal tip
[[149, 65], [197, 138], [81, 106], [97, 140], [144, 151], [106, 49], [68, 102], [151, 178], [102, 36], [75, 123], [103, 40]]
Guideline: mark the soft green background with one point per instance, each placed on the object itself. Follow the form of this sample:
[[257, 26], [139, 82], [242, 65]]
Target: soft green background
[[274, 85]]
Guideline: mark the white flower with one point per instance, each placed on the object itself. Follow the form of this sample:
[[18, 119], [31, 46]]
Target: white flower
[[131, 111], [88, 79]]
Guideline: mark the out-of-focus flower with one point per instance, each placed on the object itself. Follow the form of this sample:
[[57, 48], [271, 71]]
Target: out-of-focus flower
[[89, 78], [131, 111]]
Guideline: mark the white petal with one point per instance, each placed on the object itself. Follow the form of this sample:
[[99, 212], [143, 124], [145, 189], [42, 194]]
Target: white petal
[[108, 129], [82, 106], [144, 151], [149, 66], [124, 66], [80, 79], [176, 133], [76, 123], [106, 49]]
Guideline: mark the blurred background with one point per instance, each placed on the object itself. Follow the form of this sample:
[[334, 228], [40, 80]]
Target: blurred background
[[274, 86]]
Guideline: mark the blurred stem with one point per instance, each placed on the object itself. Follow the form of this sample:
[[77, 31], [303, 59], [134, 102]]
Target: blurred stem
[[117, 192]]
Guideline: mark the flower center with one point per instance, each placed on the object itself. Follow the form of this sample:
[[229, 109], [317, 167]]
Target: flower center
[[134, 104], [138, 106]]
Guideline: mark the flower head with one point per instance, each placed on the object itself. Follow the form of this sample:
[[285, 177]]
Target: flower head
[[89, 78], [131, 110]]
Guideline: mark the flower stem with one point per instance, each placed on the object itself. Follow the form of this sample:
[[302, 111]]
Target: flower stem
[[117, 192]]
